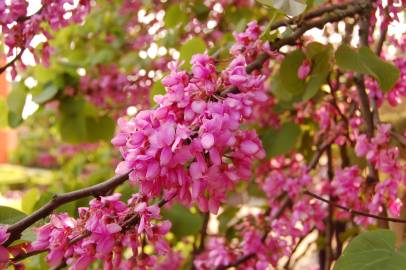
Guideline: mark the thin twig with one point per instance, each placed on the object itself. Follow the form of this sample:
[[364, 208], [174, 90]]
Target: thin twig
[[9, 64], [203, 234], [352, 211], [22, 49], [300, 241], [330, 224]]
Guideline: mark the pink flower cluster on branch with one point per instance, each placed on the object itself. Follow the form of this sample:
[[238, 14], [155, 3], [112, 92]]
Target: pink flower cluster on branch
[[192, 143], [386, 160], [19, 28], [104, 231]]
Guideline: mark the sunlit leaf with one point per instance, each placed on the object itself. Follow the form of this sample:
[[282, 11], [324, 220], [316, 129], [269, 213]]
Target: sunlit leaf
[[48, 92], [99, 128], [10, 215], [29, 199], [373, 250], [157, 89], [190, 48], [288, 72], [174, 15], [366, 62], [280, 141], [184, 222]]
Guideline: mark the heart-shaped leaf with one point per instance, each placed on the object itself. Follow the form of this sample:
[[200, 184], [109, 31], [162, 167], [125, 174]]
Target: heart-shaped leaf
[[373, 250]]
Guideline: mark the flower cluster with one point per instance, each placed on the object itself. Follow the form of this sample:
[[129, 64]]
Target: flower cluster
[[267, 237], [218, 254], [19, 28], [192, 143], [113, 90], [104, 231], [386, 160]]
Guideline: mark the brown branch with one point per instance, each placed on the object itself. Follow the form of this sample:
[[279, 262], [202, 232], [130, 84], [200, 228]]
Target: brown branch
[[26, 18], [346, 10], [330, 224], [321, 149], [301, 256], [352, 211], [309, 15], [16, 229], [384, 32], [128, 224], [300, 241], [203, 234]]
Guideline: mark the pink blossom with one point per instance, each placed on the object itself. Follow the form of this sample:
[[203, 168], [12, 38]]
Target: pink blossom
[[4, 254], [304, 69]]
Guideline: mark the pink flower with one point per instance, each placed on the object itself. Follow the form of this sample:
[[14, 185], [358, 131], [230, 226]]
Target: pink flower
[[4, 235], [395, 207], [304, 69]]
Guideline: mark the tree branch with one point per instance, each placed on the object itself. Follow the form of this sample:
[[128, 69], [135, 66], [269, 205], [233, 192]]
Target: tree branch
[[344, 10], [352, 211], [58, 200], [9, 64], [128, 224], [330, 224]]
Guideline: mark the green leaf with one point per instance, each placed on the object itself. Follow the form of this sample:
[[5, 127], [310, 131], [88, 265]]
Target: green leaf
[[102, 56], [174, 15], [280, 141], [29, 199], [314, 48], [348, 59], [10, 215], [373, 250], [29, 235], [16, 99], [48, 92], [290, 7], [100, 128], [43, 74], [385, 72], [157, 89], [44, 198], [189, 48], [14, 119], [201, 10], [288, 72], [320, 56], [225, 218], [72, 128], [72, 105], [366, 62], [184, 222], [278, 90]]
